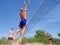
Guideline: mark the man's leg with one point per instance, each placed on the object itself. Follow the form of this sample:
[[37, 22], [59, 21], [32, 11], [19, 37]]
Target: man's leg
[[22, 34], [12, 42], [50, 42], [16, 32], [9, 42]]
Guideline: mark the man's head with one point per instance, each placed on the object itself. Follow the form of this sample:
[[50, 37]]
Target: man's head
[[47, 33], [21, 9], [11, 29]]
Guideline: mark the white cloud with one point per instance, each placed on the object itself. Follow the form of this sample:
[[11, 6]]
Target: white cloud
[[53, 20], [50, 20]]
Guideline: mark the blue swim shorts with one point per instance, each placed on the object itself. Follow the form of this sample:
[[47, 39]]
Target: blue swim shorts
[[22, 23]]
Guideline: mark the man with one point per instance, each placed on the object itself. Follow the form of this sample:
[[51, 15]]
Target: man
[[10, 36], [22, 25], [49, 38]]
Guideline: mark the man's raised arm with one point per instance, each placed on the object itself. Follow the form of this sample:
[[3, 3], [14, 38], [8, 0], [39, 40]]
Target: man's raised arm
[[24, 5]]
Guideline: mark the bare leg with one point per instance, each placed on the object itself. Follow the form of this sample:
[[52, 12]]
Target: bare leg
[[16, 32], [9, 42], [12, 42], [22, 34], [50, 42]]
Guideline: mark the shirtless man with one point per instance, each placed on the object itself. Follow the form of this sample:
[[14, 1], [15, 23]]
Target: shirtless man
[[22, 25], [49, 38]]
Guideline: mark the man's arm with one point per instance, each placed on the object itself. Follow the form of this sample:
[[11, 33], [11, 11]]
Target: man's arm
[[24, 5], [8, 34]]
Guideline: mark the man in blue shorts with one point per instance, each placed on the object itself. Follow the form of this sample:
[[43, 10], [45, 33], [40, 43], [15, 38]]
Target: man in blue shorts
[[22, 25]]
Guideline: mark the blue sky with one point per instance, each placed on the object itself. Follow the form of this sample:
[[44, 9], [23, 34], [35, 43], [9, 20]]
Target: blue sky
[[47, 16]]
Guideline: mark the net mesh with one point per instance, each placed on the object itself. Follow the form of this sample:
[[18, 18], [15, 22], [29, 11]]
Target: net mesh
[[40, 12]]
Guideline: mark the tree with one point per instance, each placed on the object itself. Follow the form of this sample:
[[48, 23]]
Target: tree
[[41, 36], [59, 34], [3, 40]]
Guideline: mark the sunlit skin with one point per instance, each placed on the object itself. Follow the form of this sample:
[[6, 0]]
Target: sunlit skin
[[10, 36], [21, 30], [49, 38]]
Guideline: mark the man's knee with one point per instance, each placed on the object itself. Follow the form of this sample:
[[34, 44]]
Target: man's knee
[[18, 30]]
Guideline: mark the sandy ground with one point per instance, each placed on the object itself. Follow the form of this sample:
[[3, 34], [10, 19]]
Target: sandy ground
[[30, 44], [34, 44]]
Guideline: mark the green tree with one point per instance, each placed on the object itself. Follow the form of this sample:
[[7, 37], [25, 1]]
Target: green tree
[[41, 36], [59, 34], [3, 40]]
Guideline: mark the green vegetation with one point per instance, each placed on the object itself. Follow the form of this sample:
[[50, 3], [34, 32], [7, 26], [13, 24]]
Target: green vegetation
[[3, 40], [40, 36], [59, 34]]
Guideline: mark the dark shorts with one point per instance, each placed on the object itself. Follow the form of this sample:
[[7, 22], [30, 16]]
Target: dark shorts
[[10, 38], [50, 39], [22, 23]]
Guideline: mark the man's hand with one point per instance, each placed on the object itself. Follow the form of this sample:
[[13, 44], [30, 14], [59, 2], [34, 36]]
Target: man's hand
[[24, 5], [24, 2]]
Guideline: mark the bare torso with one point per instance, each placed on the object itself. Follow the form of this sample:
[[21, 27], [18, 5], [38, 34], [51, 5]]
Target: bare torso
[[48, 36], [23, 14]]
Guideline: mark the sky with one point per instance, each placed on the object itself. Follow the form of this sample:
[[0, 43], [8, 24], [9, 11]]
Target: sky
[[47, 17]]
